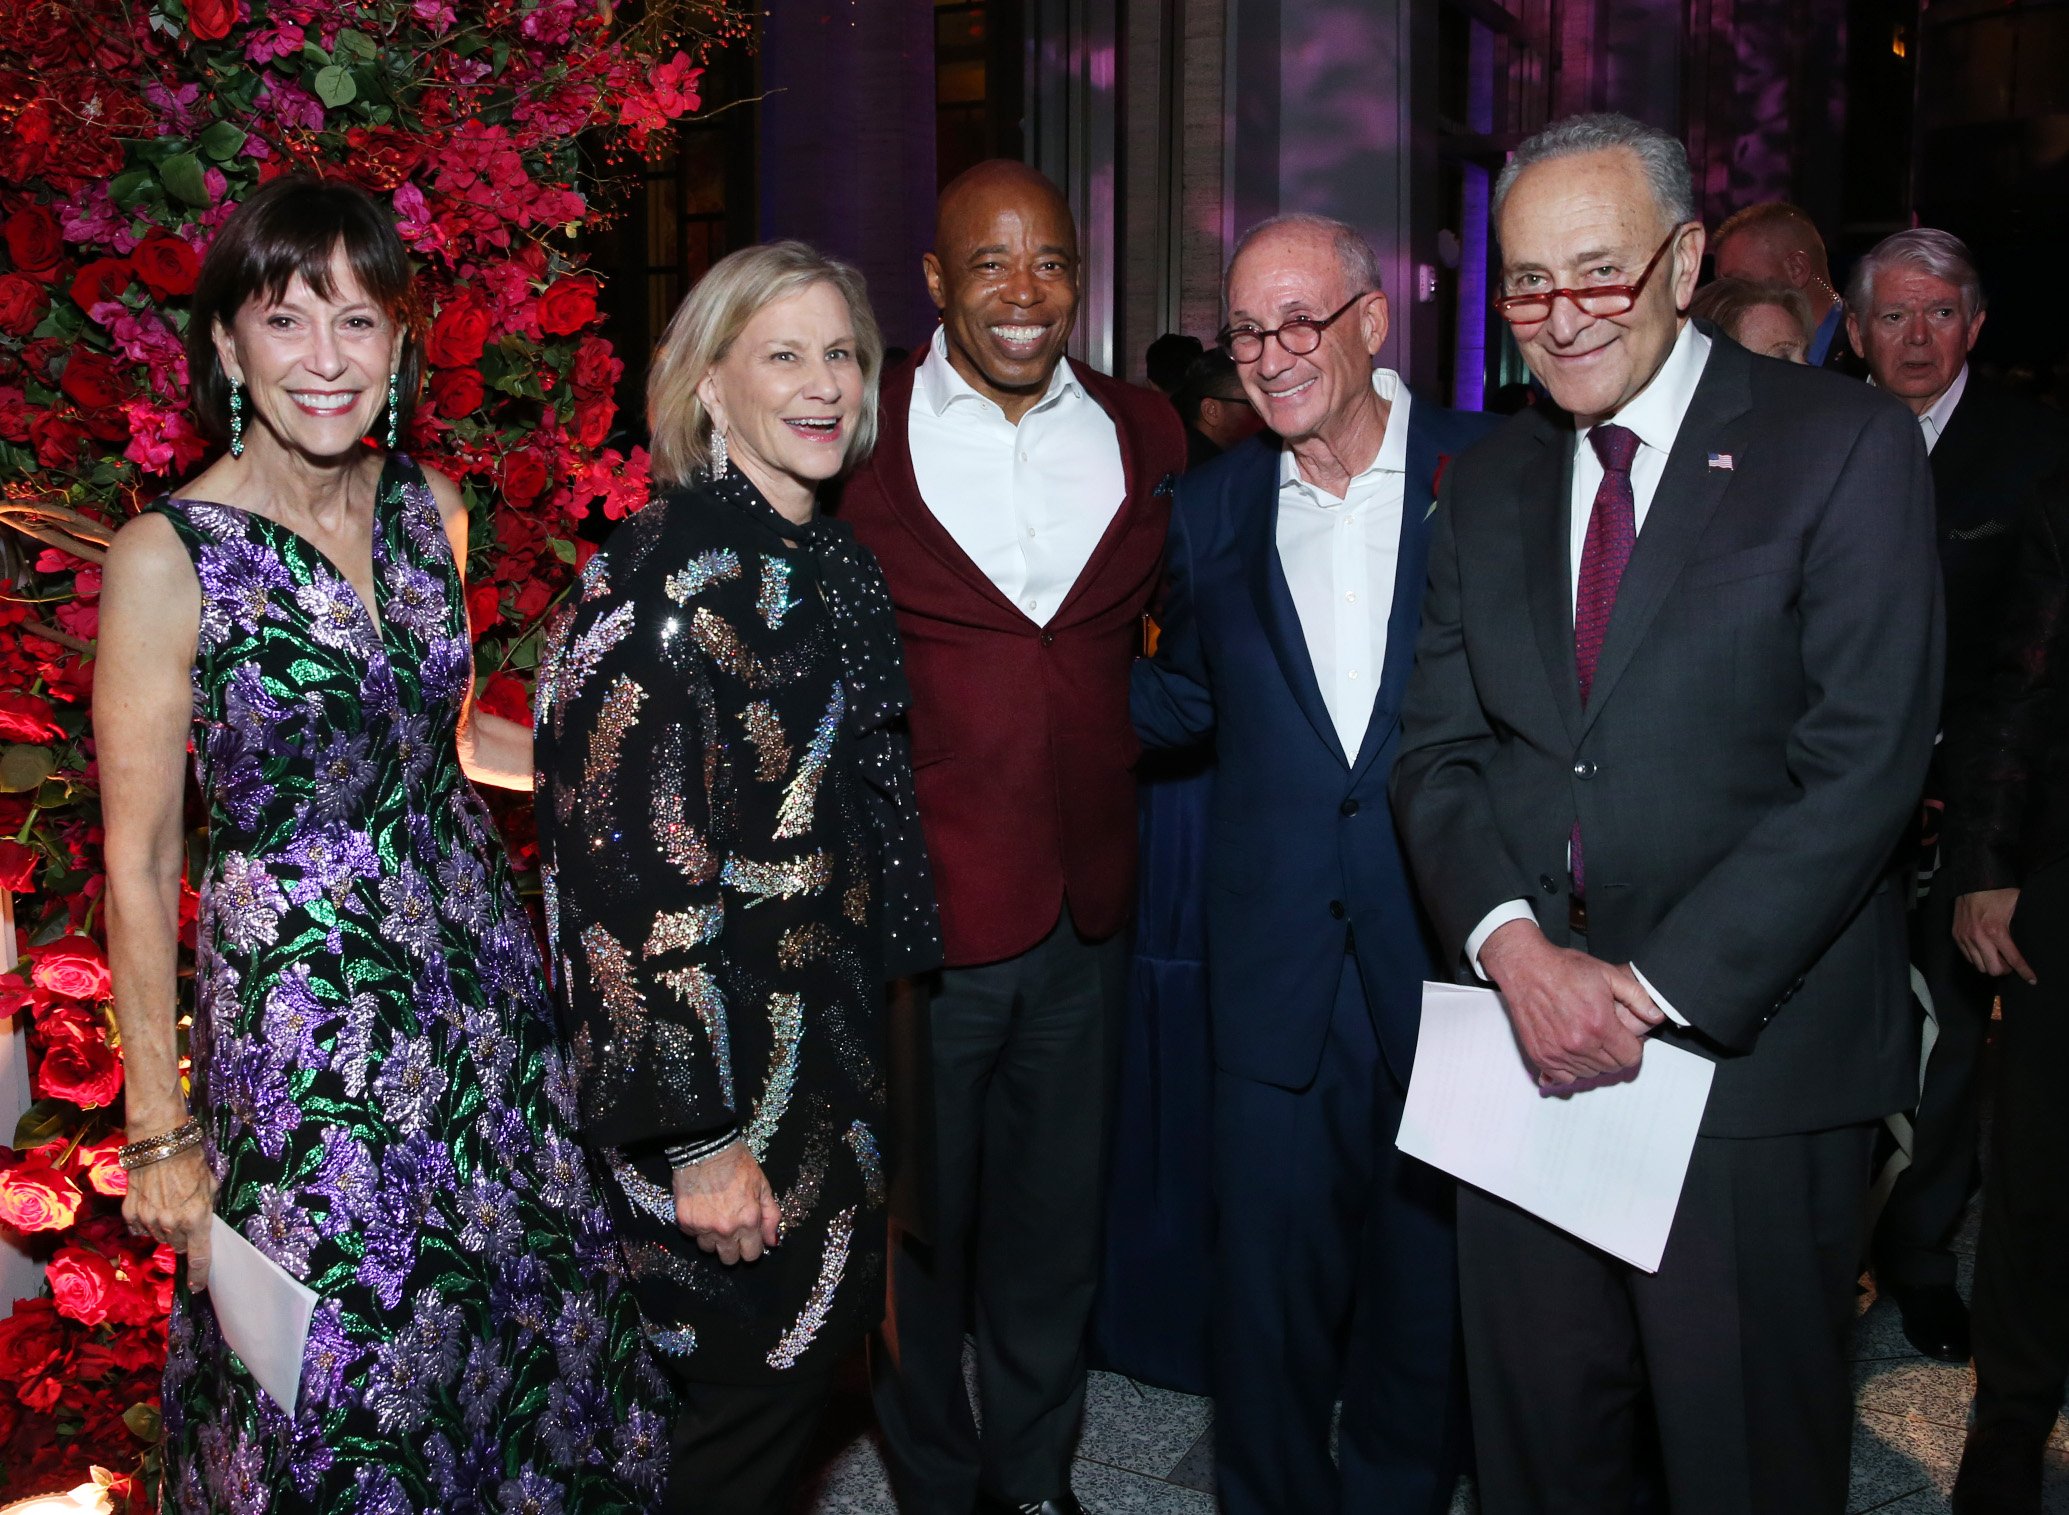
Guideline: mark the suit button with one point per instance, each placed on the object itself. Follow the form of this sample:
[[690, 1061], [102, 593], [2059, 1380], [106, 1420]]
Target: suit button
[[1048, 639], [1584, 769], [1348, 807], [1336, 909], [1546, 882]]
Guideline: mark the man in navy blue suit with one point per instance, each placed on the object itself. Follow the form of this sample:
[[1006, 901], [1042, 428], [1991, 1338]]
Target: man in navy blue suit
[[1294, 581]]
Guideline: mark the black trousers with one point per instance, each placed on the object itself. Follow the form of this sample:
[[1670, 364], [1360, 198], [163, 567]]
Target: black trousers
[[2020, 1316], [1914, 1239], [1025, 1055], [1738, 1342], [737, 1449], [1335, 1278]]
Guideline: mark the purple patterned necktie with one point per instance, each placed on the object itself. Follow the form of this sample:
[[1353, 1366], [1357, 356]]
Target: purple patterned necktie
[[1612, 533]]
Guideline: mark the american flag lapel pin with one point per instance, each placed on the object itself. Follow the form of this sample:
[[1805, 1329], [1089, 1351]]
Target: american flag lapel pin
[[1721, 460]]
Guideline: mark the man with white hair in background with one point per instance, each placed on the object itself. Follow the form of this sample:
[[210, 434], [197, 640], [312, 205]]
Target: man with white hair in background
[[1672, 707], [1914, 311]]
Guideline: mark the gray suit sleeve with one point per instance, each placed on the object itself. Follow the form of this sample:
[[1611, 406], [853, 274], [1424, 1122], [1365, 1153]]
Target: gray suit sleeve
[[1871, 648], [1461, 864]]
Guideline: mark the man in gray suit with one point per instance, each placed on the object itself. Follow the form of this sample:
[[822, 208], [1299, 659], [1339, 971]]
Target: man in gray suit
[[1673, 705]]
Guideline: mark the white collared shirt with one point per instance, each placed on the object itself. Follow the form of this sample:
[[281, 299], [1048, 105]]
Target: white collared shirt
[[1655, 415], [1339, 557], [1026, 503], [1933, 424]]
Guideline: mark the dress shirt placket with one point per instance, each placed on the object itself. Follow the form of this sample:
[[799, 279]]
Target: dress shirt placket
[[1353, 631]]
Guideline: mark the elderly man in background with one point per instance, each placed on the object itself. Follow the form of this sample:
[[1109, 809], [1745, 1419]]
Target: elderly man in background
[[1293, 586], [1672, 707], [1778, 243], [1915, 308]]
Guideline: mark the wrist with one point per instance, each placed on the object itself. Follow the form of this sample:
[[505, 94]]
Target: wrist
[[1508, 941]]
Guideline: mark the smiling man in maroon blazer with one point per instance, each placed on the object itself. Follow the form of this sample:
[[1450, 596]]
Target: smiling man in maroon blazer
[[1018, 503]]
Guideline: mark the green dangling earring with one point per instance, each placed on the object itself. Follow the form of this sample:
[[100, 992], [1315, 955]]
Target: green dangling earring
[[236, 419], [394, 407]]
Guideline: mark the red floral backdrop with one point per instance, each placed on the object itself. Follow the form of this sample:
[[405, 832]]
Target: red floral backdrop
[[128, 131]]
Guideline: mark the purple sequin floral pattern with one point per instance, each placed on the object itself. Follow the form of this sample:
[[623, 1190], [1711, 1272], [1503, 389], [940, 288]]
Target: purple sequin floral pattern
[[378, 1069]]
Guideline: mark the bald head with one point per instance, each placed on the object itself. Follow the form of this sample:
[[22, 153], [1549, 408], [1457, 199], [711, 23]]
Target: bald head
[[1004, 275], [1775, 243]]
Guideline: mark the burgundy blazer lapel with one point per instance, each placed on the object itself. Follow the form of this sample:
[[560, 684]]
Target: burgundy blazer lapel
[[901, 485], [1138, 488]]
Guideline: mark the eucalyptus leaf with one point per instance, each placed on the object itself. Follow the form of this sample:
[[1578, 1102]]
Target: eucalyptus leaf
[[354, 44], [222, 140], [144, 1422], [45, 1121], [182, 176], [24, 767], [334, 86]]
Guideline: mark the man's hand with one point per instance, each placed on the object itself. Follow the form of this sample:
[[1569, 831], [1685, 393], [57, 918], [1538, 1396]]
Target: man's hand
[[1576, 1016], [725, 1203], [1983, 932]]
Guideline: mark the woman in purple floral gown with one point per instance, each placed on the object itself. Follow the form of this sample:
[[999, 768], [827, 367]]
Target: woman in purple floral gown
[[380, 1103]]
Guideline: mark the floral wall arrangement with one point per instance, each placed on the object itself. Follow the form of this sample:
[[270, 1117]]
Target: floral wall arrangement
[[128, 131]]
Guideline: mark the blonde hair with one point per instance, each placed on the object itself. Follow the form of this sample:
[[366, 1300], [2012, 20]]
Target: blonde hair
[[710, 319]]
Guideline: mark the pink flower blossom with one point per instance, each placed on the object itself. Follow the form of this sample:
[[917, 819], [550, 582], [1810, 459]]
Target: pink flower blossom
[[553, 22], [179, 110], [434, 13], [287, 104], [414, 219], [145, 337], [162, 440], [281, 39], [91, 219]]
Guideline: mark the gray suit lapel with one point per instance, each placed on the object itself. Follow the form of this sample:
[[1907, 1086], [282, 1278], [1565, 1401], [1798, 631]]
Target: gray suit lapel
[[1688, 495], [1544, 504]]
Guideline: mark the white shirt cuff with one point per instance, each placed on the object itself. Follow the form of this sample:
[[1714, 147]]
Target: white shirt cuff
[[1658, 998], [1493, 921]]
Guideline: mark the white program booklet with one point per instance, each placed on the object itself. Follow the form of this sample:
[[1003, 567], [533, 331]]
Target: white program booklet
[[264, 1312], [1606, 1164]]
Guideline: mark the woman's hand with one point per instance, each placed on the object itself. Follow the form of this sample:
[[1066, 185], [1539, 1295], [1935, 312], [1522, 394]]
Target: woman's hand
[[173, 1201], [726, 1204], [1983, 932]]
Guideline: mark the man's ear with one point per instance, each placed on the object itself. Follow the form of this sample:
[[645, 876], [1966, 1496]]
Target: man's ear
[[1797, 262], [1853, 335], [937, 286], [1975, 329]]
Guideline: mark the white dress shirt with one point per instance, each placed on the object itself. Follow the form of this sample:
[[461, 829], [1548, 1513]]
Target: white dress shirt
[[1655, 415], [1027, 503], [1933, 424], [1339, 557]]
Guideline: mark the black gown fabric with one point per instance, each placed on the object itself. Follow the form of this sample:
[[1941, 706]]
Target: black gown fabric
[[733, 867]]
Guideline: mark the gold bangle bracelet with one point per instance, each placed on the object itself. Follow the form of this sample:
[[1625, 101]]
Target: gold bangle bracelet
[[153, 1149]]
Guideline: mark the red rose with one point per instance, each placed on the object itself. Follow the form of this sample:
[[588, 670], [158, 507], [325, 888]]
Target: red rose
[[100, 281], [484, 607], [87, 1074], [80, 1283], [57, 439], [457, 392], [593, 420], [34, 242], [74, 966], [524, 477], [459, 334], [505, 696], [18, 864], [33, 1348], [93, 380], [22, 303], [595, 370], [532, 600], [27, 718], [36, 1197], [567, 306], [100, 1163], [211, 20], [166, 265]]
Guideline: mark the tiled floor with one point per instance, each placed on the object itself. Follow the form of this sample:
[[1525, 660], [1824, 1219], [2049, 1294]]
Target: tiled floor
[[1145, 1451]]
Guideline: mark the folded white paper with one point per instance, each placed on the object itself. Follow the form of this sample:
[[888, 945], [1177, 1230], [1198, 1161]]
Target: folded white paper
[[1605, 1164], [263, 1310]]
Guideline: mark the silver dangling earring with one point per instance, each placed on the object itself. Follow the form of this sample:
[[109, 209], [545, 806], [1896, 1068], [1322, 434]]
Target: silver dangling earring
[[718, 453], [394, 407], [236, 419]]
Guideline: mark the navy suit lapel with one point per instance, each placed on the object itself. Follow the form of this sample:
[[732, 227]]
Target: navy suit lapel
[[1411, 572], [1688, 495], [1275, 610]]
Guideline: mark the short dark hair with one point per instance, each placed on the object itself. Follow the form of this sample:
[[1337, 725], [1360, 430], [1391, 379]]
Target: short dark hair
[[1213, 376], [297, 225], [1169, 357]]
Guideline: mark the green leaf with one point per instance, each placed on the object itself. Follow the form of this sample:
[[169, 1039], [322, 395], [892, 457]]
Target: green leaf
[[334, 86], [181, 174], [563, 550], [354, 44], [127, 189], [222, 140], [47, 1120], [312, 53], [23, 767], [144, 1422]]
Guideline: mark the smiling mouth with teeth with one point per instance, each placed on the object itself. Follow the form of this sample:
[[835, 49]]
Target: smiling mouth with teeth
[[824, 426], [328, 404], [1020, 333]]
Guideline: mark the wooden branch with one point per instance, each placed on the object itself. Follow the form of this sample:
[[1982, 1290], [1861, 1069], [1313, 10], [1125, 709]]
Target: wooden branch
[[50, 633]]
